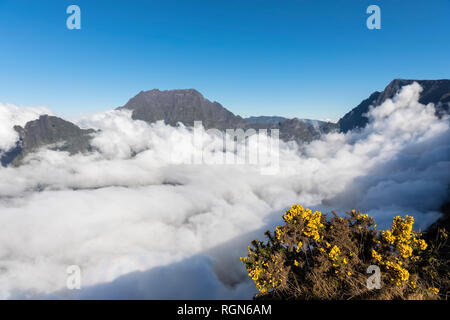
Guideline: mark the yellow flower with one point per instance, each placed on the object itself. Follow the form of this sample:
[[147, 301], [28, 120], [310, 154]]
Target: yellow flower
[[312, 224], [349, 273], [422, 244], [396, 272], [387, 235], [291, 215], [434, 290], [334, 253], [404, 250], [402, 228], [296, 263], [299, 246], [279, 232], [362, 216]]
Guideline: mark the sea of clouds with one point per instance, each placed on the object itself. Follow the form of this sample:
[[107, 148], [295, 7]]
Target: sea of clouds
[[143, 222]]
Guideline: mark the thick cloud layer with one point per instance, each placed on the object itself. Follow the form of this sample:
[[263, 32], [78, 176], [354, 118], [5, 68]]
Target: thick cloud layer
[[143, 221]]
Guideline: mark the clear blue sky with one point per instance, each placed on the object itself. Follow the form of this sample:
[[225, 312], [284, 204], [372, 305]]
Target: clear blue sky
[[309, 59]]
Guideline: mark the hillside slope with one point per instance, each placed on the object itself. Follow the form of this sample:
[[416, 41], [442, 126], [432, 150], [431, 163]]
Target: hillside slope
[[434, 91]]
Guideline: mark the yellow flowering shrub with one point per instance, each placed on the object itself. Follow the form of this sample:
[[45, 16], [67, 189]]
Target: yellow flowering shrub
[[313, 257]]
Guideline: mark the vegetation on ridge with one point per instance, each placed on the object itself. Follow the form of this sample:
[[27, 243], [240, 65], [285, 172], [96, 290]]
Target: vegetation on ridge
[[312, 257]]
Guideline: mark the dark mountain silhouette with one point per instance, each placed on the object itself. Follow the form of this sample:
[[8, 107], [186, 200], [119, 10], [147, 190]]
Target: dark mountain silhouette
[[50, 131], [297, 130], [265, 119], [434, 91], [189, 105], [185, 106]]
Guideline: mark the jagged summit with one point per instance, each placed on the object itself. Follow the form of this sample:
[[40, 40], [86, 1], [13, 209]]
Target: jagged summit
[[434, 91], [49, 131], [181, 105], [189, 105], [156, 91]]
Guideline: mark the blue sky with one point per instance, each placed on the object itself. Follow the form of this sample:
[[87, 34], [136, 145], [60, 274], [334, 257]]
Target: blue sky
[[309, 59]]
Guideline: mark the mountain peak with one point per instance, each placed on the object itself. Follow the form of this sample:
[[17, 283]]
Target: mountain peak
[[47, 131], [156, 91], [181, 105], [434, 91]]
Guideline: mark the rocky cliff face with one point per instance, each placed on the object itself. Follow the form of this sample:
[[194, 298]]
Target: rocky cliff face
[[265, 119], [297, 130], [434, 91], [185, 106], [50, 131]]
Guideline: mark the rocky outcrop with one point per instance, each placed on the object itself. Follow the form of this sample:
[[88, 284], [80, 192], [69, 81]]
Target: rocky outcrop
[[49, 131], [185, 106], [434, 91], [189, 105]]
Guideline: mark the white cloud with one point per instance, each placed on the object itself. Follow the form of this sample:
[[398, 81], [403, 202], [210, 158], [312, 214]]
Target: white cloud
[[131, 207]]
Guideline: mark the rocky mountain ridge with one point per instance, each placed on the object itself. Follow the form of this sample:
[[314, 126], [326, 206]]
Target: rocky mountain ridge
[[434, 91], [189, 105]]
